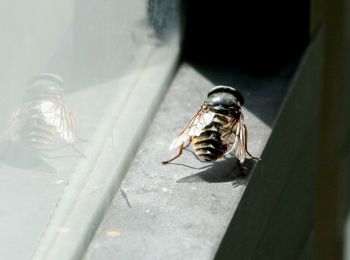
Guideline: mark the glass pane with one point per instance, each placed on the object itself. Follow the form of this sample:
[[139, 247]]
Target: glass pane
[[67, 70]]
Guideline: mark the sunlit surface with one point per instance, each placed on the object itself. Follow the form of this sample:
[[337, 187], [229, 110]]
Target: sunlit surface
[[181, 210], [67, 70]]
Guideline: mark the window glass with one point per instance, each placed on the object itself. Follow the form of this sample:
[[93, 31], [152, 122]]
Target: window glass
[[67, 67]]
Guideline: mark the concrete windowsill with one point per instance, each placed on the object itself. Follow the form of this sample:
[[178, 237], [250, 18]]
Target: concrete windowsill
[[182, 210]]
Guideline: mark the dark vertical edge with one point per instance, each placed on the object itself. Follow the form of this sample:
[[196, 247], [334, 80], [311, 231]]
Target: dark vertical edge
[[347, 142], [308, 251], [330, 188], [347, 102], [316, 15], [275, 215]]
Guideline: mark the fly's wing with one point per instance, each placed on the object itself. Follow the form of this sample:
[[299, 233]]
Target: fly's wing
[[56, 114], [14, 121], [193, 128], [15, 124], [235, 138]]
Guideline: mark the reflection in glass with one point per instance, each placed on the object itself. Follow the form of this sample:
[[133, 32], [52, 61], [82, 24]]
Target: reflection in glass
[[41, 123], [43, 116], [108, 53]]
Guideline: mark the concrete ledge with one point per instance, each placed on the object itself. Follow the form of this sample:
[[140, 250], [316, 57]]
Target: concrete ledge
[[182, 210]]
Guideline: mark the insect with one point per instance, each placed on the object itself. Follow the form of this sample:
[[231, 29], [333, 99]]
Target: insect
[[42, 115], [217, 129]]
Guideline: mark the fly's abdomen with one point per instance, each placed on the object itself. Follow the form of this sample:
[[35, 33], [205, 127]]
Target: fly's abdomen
[[208, 145], [36, 133]]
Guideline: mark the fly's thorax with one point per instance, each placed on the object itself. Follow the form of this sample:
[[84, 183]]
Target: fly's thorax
[[45, 86], [231, 111], [225, 100], [230, 91]]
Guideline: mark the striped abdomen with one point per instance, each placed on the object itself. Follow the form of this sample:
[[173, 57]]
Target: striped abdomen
[[36, 133], [31, 126], [208, 145]]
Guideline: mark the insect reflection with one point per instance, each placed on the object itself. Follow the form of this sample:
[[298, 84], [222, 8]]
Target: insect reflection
[[42, 115], [41, 123]]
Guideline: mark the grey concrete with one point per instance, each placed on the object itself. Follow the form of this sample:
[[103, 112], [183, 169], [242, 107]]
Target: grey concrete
[[181, 210]]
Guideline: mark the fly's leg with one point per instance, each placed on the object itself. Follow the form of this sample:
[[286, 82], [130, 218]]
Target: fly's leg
[[189, 142], [176, 156], [241, 168], [241, 178], [181, 149], [246, 146], [78, 151]]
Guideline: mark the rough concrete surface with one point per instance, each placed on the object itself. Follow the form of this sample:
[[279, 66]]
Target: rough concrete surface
[[182, 210]]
